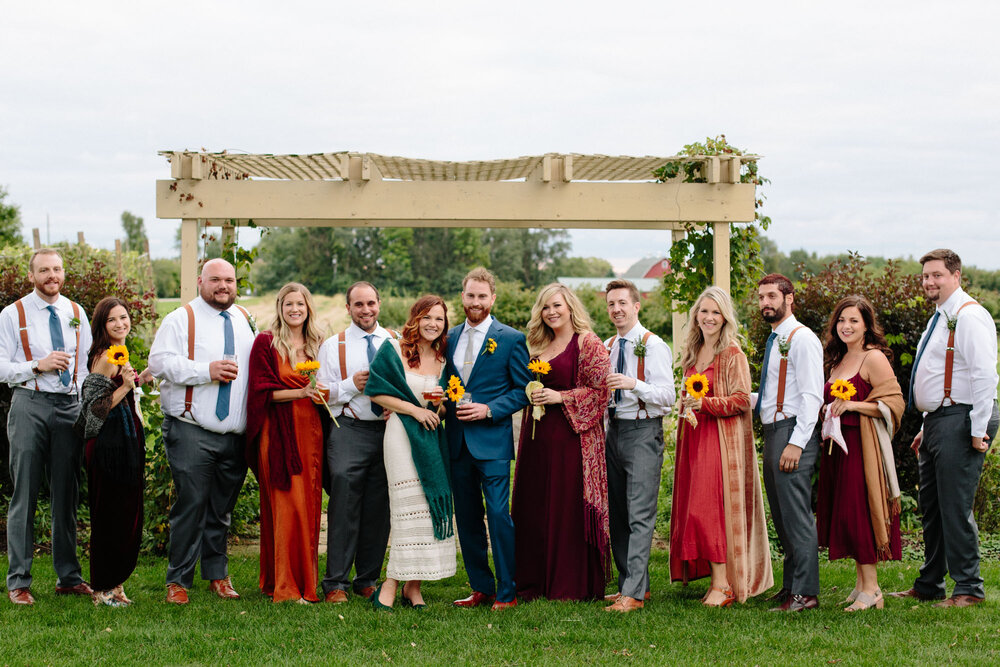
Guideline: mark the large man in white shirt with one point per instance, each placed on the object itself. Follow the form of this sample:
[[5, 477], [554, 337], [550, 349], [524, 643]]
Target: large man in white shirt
[[358, 510], [634, 450], [44, 341], [788, 406], [203, 363], [954, 383]]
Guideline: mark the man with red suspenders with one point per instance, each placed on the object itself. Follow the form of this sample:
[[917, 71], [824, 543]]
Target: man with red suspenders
[[643, 384], [202, 352], [44, 341], [788, 402], [358, 509], [954, 383]]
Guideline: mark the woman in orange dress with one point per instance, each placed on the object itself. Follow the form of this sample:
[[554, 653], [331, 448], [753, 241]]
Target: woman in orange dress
[[285, 447]]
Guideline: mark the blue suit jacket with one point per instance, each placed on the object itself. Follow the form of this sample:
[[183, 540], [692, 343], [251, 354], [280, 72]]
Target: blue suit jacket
[[498, 380]]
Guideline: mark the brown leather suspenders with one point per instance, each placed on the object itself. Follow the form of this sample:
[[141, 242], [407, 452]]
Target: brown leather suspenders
[[782, 372], [949, 356], [640, 371], [189, 390], [22, 323]]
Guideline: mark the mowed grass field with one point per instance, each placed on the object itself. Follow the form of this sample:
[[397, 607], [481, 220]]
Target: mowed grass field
[[674, 628]]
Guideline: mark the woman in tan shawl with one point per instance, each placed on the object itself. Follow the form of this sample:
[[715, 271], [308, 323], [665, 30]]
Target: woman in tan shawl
[[857, 514], [717, 524]]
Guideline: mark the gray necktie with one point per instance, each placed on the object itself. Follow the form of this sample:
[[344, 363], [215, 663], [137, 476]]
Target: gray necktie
[[470, 357], [58, 344]]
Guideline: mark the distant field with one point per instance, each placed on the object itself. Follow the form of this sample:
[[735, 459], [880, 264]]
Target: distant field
[[330, 310]]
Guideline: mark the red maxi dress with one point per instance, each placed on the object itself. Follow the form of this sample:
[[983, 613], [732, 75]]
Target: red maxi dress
[[697, 516]]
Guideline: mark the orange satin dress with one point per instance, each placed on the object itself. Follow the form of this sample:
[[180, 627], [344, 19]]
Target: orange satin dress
[[290, 520]]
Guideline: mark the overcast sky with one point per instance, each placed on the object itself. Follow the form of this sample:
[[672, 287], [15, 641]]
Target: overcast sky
[[878, 121]]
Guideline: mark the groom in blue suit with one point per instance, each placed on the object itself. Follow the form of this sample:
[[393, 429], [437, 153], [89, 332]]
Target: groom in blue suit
[[492, 361]]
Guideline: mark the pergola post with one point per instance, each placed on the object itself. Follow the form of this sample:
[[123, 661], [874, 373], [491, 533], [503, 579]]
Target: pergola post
[[720, 256], [189, 258], [678, 320]]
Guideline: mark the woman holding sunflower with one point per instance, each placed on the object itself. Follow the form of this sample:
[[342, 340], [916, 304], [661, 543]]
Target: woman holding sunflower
[[560, 505], [717, 525], [285, 446], [857, 513], [114, 453]]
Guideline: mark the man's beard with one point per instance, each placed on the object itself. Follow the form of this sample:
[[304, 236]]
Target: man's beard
[[476, 314], [213, 300], [777, 316], [50, 287]]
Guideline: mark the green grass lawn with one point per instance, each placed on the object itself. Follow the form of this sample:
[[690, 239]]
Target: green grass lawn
[[673, 629]]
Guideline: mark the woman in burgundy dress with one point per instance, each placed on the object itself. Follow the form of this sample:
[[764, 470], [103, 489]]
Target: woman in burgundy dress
[[114, 454], [560, 506], [717, 525], [857, 513]]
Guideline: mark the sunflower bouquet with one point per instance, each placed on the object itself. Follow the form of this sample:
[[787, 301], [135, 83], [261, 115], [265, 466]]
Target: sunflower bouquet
[[842, 389], [696, 386], [845, 391], [538, 368], [117, 355], [308, 369], [455, 391]]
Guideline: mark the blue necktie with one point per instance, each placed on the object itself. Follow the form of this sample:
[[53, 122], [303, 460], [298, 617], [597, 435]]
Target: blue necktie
[[58, 344], [620, 368], [229, 347], [763, 372], [920, 353], [376, 409]]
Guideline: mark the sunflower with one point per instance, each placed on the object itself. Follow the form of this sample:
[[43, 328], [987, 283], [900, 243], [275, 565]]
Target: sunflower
[[539, 367], [842, 389], [696, 386], [118, 355], [455, 390], [306, 367]]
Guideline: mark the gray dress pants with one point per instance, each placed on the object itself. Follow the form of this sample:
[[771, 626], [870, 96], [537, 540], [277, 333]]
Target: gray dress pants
[[40, 430], [790, 497], [949, 476]]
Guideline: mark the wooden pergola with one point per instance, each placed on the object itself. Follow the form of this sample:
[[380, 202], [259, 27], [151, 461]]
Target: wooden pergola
[[349, 189]]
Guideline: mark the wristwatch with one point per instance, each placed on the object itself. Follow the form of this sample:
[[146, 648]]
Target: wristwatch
[[489, 413], [34, 367]]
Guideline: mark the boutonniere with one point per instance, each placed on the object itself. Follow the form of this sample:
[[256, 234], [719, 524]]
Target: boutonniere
[[490, 347], [784, 345], [253, 327], [74, 322], [952, 322], [640, 349]]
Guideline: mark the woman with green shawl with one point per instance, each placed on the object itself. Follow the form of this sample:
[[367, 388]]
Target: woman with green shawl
[[405, 378]]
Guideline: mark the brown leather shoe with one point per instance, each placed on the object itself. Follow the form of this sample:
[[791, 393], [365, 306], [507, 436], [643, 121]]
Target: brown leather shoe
[[625, 604], [224, 589], [82, 588], [803, 603], [613, 597], [366, 592], [21, 596], [177, 594], [782, 596], [498, 606], [477, 599], [959, 601], [336, 596], [914, 593]]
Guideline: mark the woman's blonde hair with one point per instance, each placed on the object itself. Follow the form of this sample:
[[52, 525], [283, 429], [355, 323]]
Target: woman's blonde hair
[[282, 341], [539, 333], [729, 334]]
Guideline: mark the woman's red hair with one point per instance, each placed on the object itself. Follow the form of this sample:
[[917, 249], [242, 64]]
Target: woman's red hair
[[411, 330]]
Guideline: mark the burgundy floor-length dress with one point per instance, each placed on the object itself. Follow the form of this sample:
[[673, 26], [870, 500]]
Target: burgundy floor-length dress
[[698, 525], [843, 518], [116, 510], [553, 558]]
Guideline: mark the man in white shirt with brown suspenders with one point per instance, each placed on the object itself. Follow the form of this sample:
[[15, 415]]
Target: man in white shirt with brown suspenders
[[643, 384], [202, 353], [788, 403], [954, 383], [358, 510], [44, 341]]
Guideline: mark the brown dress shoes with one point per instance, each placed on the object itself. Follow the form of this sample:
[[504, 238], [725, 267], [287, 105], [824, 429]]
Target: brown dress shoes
[[82, 588], [613, 597], [177, 594], [477, 599], [224, 589], [336, 596], [497, 606], [959, 601], [917, 595], [21, 596], [625, 604], [366, 592], [802, 603]]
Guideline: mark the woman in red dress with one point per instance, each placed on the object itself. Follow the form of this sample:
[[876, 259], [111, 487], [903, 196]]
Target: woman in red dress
[[717, 525], [857, 513], [285, 442], [560, 506]]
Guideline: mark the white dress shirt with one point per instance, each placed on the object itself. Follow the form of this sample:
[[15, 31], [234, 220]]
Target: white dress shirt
[[803, 382], [974, 374], [344, 396], [15, 369], [168, 360], [657, 391], [479, 333]]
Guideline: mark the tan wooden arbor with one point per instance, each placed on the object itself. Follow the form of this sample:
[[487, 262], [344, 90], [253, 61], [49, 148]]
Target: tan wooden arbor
[[349, 189]]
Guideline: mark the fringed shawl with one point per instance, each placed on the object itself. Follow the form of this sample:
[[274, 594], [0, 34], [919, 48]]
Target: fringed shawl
[[879, 463], [748, 555], [120, 444], [428, 448]]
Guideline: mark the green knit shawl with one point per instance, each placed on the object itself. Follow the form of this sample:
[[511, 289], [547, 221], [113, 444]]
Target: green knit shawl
[[429, 448]]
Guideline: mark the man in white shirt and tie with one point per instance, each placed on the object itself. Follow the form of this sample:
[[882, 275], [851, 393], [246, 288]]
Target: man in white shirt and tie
[[202, 352], [788, 406], [44, 341], [643, 384], [358, 510], [954, 383]]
